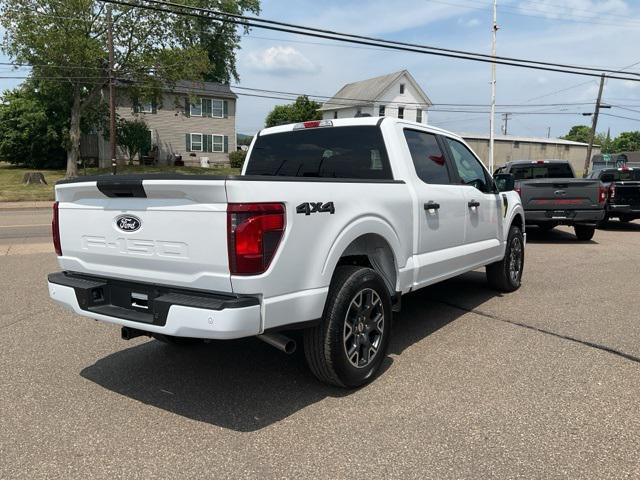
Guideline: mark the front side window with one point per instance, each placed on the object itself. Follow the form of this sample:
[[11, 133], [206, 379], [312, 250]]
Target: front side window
[[470, 170], [428, 159], [217, 108], [217, 143], [356, 152], [196, 142], [400, 112], [195, 109]]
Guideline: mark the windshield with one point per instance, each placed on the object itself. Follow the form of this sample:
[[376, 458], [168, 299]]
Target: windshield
[[330, 152], [541, 170]]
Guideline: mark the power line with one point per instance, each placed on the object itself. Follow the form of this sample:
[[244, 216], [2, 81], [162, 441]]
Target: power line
[[168, 7]]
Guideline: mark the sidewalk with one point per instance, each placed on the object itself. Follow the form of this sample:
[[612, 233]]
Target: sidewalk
[[25, 205]]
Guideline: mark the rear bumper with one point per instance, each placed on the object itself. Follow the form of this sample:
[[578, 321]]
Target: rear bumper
[[567, 217], [168, 311], [628, 210]]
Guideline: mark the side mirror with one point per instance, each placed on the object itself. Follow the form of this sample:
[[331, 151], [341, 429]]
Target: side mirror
[[505, 182]]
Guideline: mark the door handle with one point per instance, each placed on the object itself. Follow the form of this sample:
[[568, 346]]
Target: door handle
[[431, 206], [473, 203]]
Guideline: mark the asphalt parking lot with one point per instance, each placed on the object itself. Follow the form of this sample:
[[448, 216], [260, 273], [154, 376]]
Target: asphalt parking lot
[[541, 383]]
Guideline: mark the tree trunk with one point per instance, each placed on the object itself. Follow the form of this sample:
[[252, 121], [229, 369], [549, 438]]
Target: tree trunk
[[73, 153]]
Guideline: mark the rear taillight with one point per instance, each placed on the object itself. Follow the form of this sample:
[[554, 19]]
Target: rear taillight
[[602, 194], [612, 191], [254, 231], [518, 189], [55, 230]]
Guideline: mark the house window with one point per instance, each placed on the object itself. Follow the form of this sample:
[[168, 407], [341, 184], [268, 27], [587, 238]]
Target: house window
[[217, 108], [400, 112], [381, 111], [335, 114], [195, 110], [217, 143], [401, 88], [516, 144], [146, 107], [419, 115], [196, 142]]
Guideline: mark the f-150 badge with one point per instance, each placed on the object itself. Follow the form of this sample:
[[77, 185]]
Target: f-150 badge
[[315, 207]]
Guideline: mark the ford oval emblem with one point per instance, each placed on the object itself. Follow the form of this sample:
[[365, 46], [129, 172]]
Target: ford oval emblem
[[128, 223]]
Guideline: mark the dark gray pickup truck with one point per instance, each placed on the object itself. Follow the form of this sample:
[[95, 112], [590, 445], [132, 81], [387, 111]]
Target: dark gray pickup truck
[[551, 195], [623, 192]]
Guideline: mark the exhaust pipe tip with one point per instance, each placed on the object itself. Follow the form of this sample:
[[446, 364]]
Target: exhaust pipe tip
[[281, 342]]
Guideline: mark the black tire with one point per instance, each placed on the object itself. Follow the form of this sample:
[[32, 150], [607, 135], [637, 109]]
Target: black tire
[[584, 232], [506, 275], [176, 341], [345, 323]]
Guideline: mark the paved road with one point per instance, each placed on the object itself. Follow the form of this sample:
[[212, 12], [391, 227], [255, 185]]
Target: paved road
[[542, 383], [20, 226]]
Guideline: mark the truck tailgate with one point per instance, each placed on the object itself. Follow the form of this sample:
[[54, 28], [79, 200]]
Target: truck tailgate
[[164, 231], [560, 194]]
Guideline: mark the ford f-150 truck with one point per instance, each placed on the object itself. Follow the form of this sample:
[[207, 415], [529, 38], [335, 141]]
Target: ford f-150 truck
[[328, 225], [623, 192], [551, 195]]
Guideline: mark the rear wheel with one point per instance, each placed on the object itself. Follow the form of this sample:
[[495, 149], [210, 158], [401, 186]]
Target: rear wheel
[[584, 232], [506, 275], [349, 345]]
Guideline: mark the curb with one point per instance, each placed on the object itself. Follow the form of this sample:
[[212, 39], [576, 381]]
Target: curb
[[30, 205]]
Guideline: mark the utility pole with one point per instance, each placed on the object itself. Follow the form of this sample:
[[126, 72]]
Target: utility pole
[[505, 119], [594, 124], [494, 30], [112, 94]]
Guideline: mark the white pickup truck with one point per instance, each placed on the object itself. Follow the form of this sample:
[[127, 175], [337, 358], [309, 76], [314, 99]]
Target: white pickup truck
[[330, 223]]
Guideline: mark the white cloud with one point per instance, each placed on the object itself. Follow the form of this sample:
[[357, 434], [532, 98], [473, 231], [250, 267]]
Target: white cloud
[[576, 9], [468, 22], [280, 60]]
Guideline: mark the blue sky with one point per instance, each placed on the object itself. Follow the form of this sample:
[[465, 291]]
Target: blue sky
[[602, 33]]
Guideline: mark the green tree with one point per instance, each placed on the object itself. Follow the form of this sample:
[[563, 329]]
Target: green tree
[[32, 128], [301, 110], [134, 137], [65, 41], [578, 133], [605, 142], [219, 40], [627, 142]]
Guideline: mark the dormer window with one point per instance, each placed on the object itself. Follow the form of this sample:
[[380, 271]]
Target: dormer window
[[401, 88]]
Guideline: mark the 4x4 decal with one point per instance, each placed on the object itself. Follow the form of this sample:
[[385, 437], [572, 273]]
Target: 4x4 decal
[[316, 207]]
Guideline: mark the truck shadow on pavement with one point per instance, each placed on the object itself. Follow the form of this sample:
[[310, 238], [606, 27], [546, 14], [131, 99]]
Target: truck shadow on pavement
[[616, 226], [537, 235], [246, 385]]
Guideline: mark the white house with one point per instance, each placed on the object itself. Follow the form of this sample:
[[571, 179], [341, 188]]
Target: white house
[[396, 95]]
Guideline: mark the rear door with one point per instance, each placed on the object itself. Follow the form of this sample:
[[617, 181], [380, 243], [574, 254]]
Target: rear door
[[483, 204], [440, 205], [168, 231]]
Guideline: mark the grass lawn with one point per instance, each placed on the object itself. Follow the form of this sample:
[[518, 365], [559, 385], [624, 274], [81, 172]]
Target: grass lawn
[[12, 189]]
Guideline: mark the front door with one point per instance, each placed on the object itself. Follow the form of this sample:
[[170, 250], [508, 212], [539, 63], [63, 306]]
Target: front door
[[484, 205], [440, 209]]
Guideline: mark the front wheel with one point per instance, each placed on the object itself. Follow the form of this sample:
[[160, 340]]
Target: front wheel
[[584, 232], [349, 345], [506, 275]]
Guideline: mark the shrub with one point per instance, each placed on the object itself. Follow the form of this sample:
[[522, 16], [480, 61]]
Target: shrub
[[236, 159]]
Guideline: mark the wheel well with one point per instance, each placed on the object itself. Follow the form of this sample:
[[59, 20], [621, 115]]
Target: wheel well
[[517, 220], [372, 251]]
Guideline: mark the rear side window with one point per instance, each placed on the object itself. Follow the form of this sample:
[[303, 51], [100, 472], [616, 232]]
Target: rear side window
[[541, 170], [329, 152], [428, 159]]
